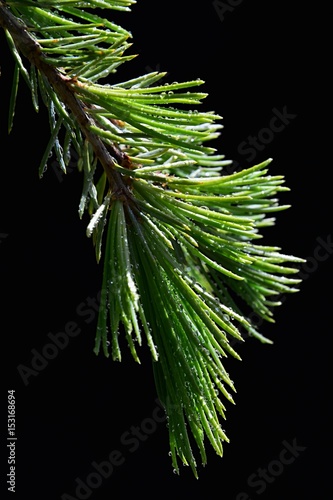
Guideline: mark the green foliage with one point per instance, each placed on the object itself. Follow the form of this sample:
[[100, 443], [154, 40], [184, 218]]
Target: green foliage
[[179, 238]]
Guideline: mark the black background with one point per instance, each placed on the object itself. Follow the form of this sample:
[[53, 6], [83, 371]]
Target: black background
[[259, 58]]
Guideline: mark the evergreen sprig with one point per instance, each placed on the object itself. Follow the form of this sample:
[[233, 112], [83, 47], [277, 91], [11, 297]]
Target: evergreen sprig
[[178, 236]]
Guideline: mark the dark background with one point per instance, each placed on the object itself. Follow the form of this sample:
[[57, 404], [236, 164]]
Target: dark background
[[255, 58]]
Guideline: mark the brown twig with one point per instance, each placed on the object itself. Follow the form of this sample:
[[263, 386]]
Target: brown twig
[[64, 87]]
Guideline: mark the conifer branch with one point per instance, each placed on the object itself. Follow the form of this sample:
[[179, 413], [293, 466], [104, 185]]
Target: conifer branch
[[179, 237]]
